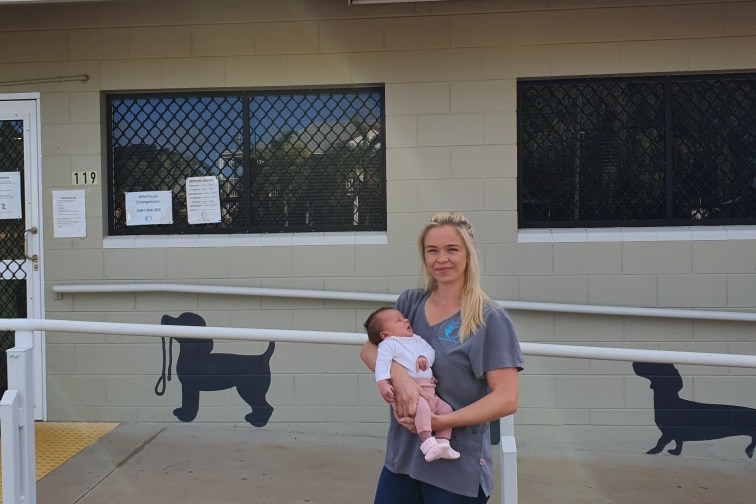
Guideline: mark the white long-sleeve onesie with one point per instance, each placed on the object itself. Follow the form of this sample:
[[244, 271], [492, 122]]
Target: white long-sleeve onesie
[[405, 350]]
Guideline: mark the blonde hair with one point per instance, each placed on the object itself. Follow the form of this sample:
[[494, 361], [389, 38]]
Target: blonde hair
[[473, 297]]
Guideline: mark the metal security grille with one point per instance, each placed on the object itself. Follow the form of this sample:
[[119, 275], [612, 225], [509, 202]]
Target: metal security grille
[[637, 152], [284, 161], [12, 276]]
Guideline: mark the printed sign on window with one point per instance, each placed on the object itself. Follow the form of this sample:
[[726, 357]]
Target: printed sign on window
[[10, 195], [202, 200], [149, 208]]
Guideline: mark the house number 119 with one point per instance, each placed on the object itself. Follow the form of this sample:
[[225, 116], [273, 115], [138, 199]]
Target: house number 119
[[84, 178]]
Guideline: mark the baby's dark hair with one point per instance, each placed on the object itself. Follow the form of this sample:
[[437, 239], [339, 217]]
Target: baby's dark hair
[[373, 324]]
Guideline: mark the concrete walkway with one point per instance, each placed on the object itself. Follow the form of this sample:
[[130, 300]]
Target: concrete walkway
[[186, 464]]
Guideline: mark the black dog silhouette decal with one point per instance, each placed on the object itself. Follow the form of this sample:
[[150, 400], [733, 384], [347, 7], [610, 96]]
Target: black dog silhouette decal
[[198, 369], [680, 420]]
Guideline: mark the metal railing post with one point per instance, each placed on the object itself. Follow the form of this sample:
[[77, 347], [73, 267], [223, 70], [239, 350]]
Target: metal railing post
[[9, 431], [21, 380], [508, 461]]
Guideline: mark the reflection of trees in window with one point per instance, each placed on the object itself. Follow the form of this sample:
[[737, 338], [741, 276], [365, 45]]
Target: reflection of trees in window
[[628, 151], [149, 168], [284, 161], [277, 183], [12, 230], [308, 178], [714, 151], [11, 146]]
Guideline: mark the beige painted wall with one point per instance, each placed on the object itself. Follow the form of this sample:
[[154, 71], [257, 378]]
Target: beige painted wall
[[450, 72]]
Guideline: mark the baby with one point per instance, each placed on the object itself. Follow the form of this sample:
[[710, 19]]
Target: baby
[[387, 328]]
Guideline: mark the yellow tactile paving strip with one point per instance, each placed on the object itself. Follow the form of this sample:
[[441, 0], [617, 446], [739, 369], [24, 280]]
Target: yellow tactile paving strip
[[56, 442]]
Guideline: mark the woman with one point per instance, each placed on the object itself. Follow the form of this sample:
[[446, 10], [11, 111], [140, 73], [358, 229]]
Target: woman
[[477, 362]]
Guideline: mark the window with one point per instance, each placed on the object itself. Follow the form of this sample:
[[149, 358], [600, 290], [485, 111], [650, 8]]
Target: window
[[654, 151], [285, 161]]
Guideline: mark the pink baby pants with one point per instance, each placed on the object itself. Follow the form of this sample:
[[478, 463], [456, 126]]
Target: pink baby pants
[[425, 408]]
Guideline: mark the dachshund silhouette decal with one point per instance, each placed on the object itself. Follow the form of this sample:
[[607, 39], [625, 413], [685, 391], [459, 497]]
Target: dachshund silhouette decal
[[680, 420], [198, 369]]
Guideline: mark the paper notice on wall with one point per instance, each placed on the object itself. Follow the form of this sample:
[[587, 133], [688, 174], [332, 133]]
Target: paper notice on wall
[[69, 214], [10, 195], [203, 200], [149, 208]]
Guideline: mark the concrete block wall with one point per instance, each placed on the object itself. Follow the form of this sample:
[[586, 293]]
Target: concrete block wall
[[450, 71]]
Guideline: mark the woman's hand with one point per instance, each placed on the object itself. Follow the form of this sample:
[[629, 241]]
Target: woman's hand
[[405, 403], [406, 392], [406, 422], [405, 389], [502, 400]]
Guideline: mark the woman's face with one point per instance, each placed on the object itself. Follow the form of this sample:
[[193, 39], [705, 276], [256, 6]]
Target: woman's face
[[445, 255]]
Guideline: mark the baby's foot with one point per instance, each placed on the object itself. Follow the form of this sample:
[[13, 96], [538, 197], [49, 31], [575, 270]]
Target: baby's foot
[[451, 453], [434, 450]]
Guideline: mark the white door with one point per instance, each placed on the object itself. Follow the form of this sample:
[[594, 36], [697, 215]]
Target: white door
[[21, 280]]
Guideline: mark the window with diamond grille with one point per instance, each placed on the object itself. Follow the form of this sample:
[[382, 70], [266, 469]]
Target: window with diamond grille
[[655, 151], [12, 258], [293, 161]]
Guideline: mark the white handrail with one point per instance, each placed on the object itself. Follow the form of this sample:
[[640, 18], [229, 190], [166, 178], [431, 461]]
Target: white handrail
[[222, 289], [231, 333], [508, 469], [298, 336], [632, 311], [508, 447]]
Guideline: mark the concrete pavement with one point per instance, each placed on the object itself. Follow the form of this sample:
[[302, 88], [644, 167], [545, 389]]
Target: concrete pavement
[[187, 463]]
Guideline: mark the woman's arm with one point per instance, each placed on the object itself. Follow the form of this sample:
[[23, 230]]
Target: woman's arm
[[502, 400], [406, 390], [368, 354]]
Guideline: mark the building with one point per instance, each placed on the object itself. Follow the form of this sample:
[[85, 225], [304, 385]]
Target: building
[[451, 77]]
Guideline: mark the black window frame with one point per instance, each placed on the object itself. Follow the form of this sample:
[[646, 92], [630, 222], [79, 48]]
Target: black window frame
[[249, 158], [536, 208]]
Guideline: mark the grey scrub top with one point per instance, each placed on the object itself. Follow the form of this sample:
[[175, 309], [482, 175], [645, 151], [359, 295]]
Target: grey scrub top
[[460, 370]]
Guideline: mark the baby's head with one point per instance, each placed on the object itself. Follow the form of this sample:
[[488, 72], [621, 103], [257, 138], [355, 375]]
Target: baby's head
[[386, 321]]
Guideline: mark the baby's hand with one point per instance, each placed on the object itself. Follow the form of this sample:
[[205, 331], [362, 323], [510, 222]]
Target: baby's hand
[[422, 363], [386, 390]]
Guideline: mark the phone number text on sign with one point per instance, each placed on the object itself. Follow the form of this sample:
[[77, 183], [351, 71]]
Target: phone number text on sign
[[149, 208]]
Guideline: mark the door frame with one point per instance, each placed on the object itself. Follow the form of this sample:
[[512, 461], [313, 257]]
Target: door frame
[[26, 107]]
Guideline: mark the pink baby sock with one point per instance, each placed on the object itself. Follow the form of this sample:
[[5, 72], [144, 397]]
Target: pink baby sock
[[435, 449], [450, 452]]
